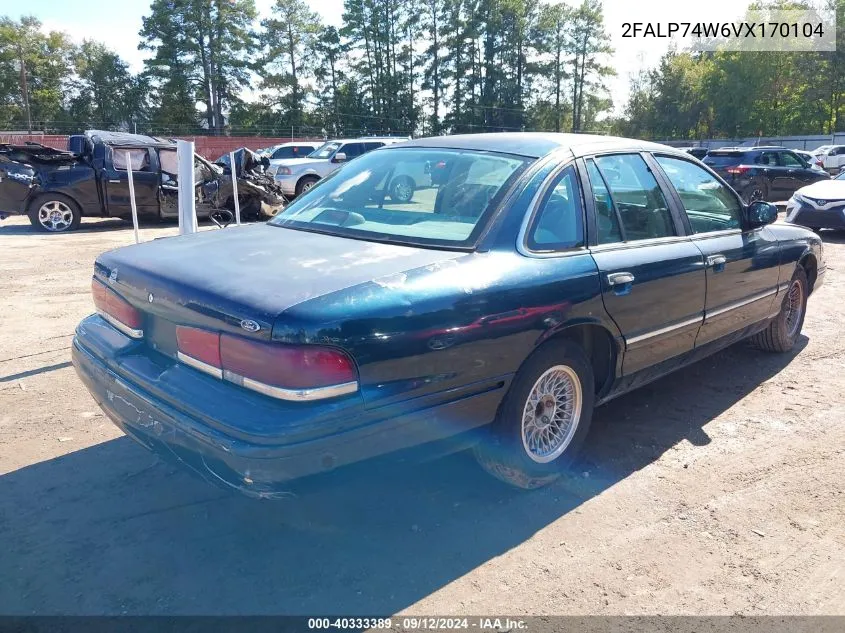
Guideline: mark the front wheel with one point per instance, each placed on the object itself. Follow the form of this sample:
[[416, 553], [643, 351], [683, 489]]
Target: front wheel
[[543, 419], [402, 189], [783, 331], [305, 184]]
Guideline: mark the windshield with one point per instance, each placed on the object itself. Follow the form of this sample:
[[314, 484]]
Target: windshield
[[325, 150], [422, 196], [841, 176]]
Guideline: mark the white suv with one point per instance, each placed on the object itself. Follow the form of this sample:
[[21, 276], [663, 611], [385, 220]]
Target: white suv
[[298, 175]]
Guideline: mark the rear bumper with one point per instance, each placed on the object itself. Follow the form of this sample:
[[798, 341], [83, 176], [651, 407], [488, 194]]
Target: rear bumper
[[259, 468]]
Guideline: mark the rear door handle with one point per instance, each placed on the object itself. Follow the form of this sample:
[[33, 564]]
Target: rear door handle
[[619, 279]]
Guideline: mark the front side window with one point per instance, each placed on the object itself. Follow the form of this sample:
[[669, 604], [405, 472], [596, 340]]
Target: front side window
[[325, 150], [788, 159], [168, 160], [390, 195], [286, 152], [709, 205], [559, 223], [352, 150], [640, 206]]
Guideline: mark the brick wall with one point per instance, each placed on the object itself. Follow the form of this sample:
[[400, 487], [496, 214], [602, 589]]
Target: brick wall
[[210, 147]]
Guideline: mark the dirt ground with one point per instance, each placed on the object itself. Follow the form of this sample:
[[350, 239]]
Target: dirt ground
[[717, 490]]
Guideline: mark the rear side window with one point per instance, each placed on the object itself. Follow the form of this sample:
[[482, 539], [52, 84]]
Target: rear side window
[[766, 159], [708, 203], [640, 206], [788, 159], [139, 157], [559, 223], [607, 223]]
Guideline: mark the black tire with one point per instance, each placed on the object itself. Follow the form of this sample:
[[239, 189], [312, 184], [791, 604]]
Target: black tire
[[754, 192], [503, 453], [781, 333], [402, 189], [305, 183], [66, 208]]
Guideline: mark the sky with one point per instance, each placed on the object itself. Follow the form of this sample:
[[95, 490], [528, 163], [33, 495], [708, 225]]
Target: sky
[[118, 26]]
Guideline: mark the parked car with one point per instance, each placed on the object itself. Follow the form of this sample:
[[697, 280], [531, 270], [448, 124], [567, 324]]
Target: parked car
[[832, 157], [544, 276], [56, 188], [762, 173], [819, 206], [297, 176], [698, 152], [813, 161]]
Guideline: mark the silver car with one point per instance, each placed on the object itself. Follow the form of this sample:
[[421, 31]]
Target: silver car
[[298, 175]]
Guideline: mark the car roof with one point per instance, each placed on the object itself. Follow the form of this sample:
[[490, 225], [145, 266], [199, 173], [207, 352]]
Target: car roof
[[126, 138], [537, 144]]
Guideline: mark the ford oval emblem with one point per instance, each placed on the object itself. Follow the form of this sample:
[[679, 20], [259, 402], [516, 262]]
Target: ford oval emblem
[[250, 326]]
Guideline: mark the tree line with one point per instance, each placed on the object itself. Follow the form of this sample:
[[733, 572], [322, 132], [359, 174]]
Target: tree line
[[393, 66]]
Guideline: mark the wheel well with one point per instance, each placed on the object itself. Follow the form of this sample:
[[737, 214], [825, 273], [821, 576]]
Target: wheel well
[[307, 177], [600, 348], [30, 205], [810, 266]]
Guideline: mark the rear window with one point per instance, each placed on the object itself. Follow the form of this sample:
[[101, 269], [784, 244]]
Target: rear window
[[717, 158], [421, 196]]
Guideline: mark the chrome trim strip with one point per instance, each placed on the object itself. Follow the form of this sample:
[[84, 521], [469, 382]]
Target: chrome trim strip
[[130, 332], [783, 287], [740, 304], [296, 395], [198, 364], [664, 330]]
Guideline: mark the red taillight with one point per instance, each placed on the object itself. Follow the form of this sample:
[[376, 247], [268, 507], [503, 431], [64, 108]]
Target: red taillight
[[290, 372], [116, 310], [737, 170], [200, 345]]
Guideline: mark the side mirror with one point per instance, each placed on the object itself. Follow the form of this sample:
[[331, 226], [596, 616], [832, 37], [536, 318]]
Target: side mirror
[[760, 213], [340, 157]]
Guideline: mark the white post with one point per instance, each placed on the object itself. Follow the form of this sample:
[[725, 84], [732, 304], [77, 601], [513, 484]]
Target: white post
[[187, 204], [132, 196], [235, 188]]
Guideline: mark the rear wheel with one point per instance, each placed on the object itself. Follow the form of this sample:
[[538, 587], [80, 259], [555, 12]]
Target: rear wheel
[[54, 213], [783, 331], [543, 419], [305, 184], [754, 192]]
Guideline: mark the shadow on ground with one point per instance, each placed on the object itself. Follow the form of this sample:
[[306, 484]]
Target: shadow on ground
[[110, 530]]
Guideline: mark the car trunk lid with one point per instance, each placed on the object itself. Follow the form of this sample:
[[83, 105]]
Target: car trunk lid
[[240, 279]]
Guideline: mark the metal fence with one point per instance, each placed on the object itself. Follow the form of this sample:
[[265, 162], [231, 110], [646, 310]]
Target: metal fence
[[809, 142]]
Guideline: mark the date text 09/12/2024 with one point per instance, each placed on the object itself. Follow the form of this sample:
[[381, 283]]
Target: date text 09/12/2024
[[760, 30]]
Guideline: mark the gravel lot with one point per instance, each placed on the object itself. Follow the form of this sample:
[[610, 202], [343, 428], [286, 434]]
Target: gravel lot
[[717, 490]]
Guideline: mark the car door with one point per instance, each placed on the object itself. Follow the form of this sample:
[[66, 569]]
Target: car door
[[773, 176], [145, 179], [742, 265], [653, 280], [799, 174]]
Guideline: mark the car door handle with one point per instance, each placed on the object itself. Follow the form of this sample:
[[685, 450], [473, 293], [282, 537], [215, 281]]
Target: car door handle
[[619, 279], [717, 262], [115, 181]]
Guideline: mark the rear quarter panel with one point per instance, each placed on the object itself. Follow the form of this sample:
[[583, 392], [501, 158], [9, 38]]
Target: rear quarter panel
[[451, 328]]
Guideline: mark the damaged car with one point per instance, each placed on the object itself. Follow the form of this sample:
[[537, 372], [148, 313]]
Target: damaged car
[[56, 188]]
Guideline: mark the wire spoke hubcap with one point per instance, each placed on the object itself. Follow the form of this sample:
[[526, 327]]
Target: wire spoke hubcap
[[794, 305], [551, 414], [55, 216]]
